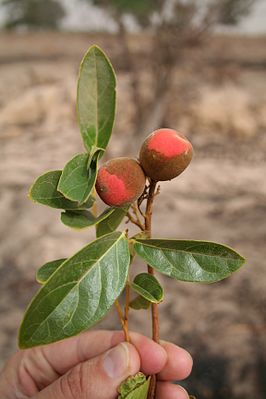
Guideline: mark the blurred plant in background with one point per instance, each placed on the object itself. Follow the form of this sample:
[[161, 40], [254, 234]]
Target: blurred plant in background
[[37, 14], [231, 11], [191, 65], [174, 26]]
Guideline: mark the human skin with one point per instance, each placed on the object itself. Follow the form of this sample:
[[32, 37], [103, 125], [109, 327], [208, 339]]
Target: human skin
[[92, 366]]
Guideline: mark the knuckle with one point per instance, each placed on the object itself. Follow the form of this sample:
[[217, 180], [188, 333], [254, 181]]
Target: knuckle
[[73, 384]]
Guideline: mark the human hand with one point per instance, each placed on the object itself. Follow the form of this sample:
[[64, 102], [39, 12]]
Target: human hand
[[92, 366]]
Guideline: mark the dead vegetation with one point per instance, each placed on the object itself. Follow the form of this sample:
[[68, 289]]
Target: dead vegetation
[[218, 98]]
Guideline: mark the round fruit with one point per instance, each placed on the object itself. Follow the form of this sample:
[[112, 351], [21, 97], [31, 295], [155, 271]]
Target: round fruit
[[165, 154], [120, 181]]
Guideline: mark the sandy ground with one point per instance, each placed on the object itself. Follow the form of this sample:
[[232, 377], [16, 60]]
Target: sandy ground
[[221, 197]]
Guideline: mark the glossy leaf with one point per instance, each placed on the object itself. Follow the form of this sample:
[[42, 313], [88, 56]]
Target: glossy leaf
[[79, 293], [44, 191], [96, 98], [148, 287], [139, 303], [47, 270], [141, 392], [78, 180], [112, 222], [88, 204], [83, 219], [134, 387], [196, 261]]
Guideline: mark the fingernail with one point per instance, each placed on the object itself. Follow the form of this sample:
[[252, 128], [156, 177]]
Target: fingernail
[[116, 361], [183, 393]]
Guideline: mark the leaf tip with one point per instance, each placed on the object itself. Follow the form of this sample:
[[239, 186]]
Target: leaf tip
[[95, 48], [29, 195], [20, 342], [21, 345], [38, 278]]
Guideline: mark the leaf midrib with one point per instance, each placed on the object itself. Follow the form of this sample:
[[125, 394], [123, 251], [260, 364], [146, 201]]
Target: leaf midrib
[[184, 273], [76, 284], [97, 99], [187, 251], [141, 289]]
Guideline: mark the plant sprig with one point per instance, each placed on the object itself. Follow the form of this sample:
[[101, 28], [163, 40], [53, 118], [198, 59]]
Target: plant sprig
[[78, 291]]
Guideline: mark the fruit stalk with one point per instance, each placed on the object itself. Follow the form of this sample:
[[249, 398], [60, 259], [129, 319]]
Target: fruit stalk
[[126, 330], [123, 321], [154, 306]]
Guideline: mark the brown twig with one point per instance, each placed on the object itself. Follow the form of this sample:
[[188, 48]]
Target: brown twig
[[122, 320], [126, 312], [148, 212], [158, 190], [119, 312], [134, 221], [154, 308], [149, 194], [140, 210], [94, 206], [143, 196], [137, 212], [117, 304]]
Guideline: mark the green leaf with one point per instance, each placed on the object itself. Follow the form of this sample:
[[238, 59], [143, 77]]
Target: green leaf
[[148, 287], [134, 387], [78, 180], [47, 270], [197, 261], [88, 204], [44, 191], [83, 219], [79, 293], [111, 223], [139, 303], [96, 99]]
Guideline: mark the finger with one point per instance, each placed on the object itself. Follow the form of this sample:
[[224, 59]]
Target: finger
[[40, 366], [45, 364], [179, 363], [153, 356], [93, 343], [166, 390], [78, 349], [97, 378]]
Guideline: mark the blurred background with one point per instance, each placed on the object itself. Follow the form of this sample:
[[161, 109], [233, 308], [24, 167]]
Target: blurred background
[[196, 66]]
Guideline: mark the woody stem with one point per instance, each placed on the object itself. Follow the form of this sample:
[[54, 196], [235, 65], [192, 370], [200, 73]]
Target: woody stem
[[154, 306]]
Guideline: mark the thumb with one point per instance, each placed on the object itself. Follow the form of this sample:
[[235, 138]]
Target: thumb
[[97, 378]]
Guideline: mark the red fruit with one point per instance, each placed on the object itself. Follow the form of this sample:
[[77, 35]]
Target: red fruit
[[165, 154], [120, 181]]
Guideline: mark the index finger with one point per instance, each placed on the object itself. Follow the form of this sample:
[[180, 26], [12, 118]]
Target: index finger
[[64, 355]]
